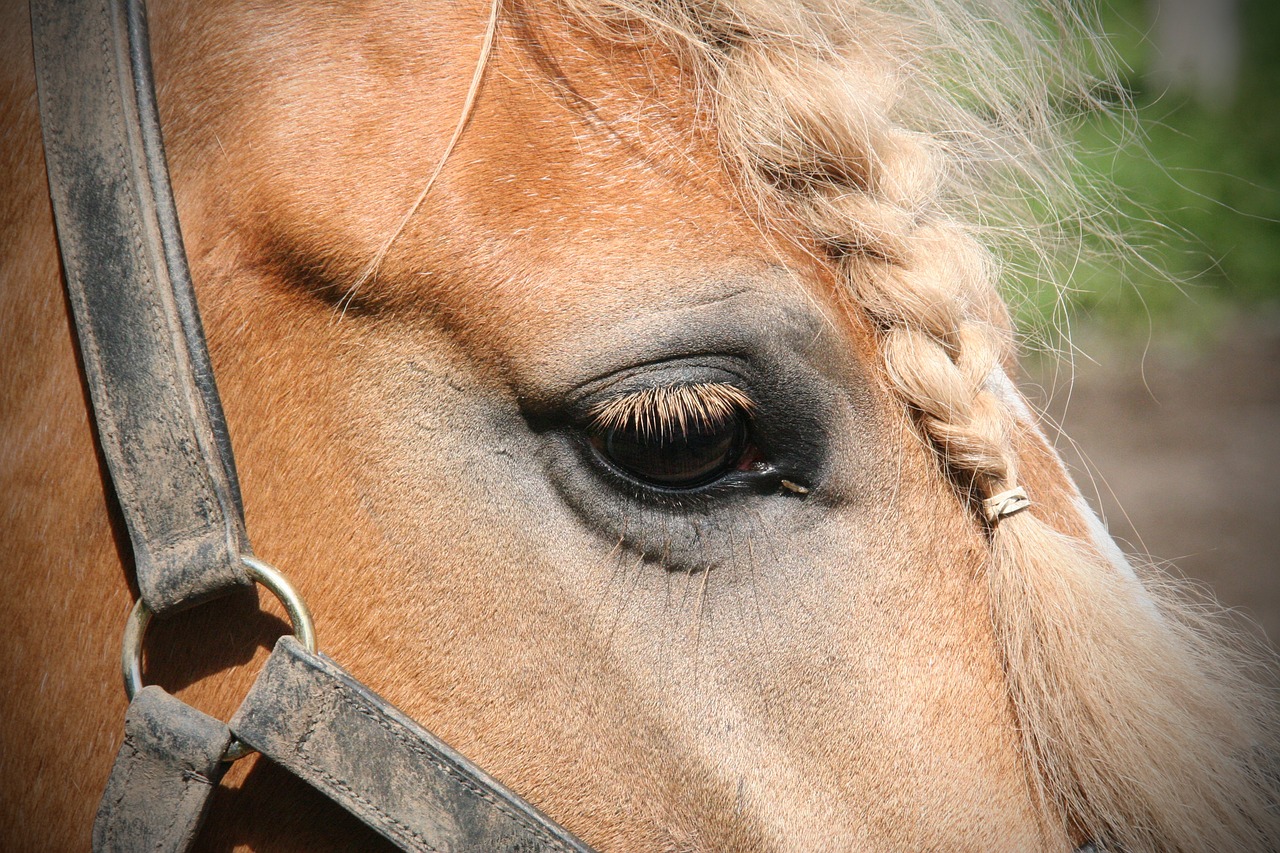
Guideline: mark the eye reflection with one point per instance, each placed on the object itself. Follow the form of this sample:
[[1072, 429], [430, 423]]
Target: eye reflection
[[676, 437], [696, 456]]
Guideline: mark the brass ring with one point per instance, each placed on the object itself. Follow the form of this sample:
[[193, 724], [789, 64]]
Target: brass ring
[[270, 577]]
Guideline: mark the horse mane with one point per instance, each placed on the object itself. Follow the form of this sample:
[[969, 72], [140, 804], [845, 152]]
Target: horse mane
[[913, 139]]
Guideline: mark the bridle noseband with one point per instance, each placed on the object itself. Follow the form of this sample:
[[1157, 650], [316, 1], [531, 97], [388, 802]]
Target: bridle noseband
[[161, 433]]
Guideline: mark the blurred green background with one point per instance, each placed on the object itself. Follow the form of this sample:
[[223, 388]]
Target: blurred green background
[[1163, 364], [1193, 171]]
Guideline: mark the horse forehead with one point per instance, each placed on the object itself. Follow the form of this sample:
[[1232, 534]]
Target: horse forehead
[[584, 199], [569, 141]]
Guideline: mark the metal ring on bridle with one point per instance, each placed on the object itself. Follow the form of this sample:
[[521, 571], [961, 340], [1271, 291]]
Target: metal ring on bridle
[[270, 577]]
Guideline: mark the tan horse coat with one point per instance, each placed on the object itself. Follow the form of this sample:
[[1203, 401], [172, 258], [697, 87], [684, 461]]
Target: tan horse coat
[[763, 671]]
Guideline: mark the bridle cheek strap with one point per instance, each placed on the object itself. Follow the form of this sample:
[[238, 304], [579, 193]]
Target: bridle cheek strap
[[161, 432], [159, 421]]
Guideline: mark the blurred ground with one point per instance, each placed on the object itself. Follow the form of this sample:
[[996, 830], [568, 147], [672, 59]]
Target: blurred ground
[[1182, 442]]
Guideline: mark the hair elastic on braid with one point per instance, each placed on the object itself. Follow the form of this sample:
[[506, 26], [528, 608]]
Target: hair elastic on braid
[[1005, 504]]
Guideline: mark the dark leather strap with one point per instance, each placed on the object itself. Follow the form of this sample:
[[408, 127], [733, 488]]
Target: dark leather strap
[[308, 714], [164, 775], [161, 432], [162, 435]]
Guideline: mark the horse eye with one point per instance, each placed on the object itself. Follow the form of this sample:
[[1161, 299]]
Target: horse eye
[[680, 459]]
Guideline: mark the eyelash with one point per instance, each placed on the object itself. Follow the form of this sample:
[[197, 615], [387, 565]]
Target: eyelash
[[664, 409]]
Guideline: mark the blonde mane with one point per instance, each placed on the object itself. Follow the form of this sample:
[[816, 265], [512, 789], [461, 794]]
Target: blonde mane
[[912, 138]]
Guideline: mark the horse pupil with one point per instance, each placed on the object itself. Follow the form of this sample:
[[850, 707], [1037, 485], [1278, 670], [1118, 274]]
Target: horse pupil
[[698, 455]]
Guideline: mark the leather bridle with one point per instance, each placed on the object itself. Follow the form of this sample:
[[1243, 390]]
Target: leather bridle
[[161, 433]]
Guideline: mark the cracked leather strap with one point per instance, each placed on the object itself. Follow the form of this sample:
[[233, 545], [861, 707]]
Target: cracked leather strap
[[156, 407], [165, 773], [308, 714]]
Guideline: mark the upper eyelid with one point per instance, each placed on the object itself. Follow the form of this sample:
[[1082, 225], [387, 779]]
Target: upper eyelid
[[703, 369], [661, 409]]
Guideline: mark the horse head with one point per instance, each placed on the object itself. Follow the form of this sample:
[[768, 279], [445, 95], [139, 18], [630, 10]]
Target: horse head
[[628, 389]]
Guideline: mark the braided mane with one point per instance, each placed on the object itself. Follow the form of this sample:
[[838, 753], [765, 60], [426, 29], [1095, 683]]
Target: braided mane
[[908, 136]]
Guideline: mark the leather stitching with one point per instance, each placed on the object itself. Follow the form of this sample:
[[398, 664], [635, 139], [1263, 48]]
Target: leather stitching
[[407, 739], [165, 839], [130, 764], [123, 165], [402, 829]]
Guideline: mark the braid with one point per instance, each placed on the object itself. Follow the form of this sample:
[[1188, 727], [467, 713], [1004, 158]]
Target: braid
[[817, 134], [940, 352], [871, 194]]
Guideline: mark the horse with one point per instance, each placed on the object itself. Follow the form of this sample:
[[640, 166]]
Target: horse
[[628, 386]]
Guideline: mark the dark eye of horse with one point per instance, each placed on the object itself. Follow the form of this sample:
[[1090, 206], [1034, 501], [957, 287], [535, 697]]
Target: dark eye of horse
[[694, 456]]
